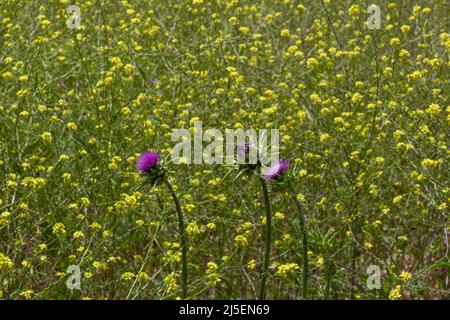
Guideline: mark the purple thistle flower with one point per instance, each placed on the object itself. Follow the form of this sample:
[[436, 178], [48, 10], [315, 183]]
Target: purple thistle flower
[[147, 161], [277, 169]]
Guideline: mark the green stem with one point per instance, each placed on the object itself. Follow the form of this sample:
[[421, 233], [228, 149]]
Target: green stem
[[182, 237], [268, 237], [305, 244]]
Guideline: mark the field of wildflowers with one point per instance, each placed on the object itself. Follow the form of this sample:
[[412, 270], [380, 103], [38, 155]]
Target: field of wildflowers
[[357, 207]]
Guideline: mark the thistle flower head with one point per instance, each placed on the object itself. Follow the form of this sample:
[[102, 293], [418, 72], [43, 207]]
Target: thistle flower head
[[147, 161], [247, 159], [277, 169]]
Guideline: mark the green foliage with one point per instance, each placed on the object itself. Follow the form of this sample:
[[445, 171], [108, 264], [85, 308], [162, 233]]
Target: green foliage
[[363, 118]]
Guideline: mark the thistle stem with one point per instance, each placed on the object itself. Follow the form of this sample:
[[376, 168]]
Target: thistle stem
[[304, 244], [182, 238], [268, 239]]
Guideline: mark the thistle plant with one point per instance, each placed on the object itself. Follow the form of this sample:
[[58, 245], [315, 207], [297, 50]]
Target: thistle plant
[[301, 215], [279, 179], [150, 165], [267, 239], [273, 172]]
